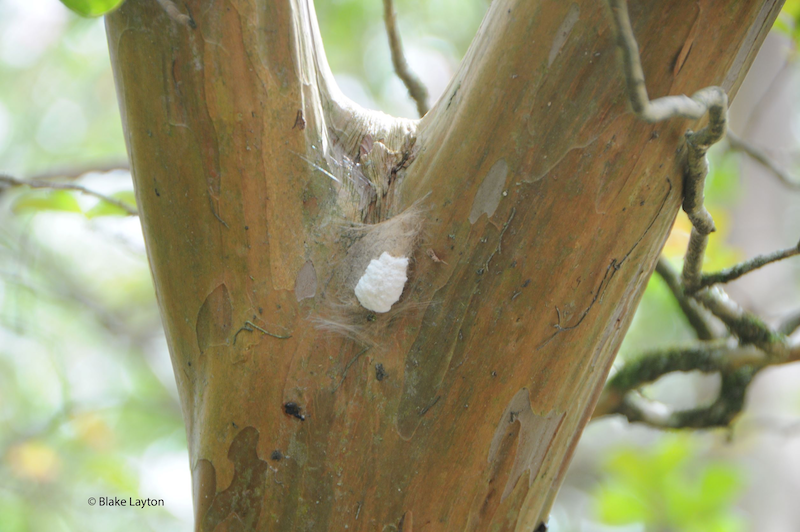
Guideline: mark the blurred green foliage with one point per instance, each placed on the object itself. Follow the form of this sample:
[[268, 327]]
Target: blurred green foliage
[[789, 20], [92, 8], [669, 489]]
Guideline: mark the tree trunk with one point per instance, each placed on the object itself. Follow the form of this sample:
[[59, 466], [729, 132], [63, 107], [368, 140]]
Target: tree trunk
[[531, 203]]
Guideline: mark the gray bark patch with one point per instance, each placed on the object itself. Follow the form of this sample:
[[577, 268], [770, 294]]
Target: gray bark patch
[[535, 436], [562, 34], [305, 286], [214, 319], [490, 192]]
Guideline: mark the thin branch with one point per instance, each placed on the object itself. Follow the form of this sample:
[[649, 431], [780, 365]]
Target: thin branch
[[697, 316], [736, 365], [734, 272], [760, 156], [707, 357], [174, 13], [249, 326], [80, 171], [347, 367], [758, 345], [416, 89], [697, 145], [660, 108], [14, 182], [713, 100], [749, 328]]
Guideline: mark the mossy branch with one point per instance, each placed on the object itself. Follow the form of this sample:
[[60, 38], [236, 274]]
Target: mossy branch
[[753, 345], [737, 364]]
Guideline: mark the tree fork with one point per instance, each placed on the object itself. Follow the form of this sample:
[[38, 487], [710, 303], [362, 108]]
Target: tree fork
[[544, 199]]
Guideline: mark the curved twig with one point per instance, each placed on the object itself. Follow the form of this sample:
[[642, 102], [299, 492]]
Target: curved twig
[[736, 364], [14, 182], [755, 345], [416, 89], [660, 108], [734, 272], [760, 156], [698, 317]]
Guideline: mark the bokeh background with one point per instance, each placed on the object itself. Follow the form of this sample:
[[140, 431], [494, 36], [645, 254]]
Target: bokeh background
[[88, 404]]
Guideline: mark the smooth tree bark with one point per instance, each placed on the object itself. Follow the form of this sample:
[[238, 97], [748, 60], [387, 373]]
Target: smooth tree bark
[[531, 202]]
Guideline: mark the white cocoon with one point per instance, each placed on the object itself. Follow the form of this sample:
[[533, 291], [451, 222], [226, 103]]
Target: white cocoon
[[382, 283]]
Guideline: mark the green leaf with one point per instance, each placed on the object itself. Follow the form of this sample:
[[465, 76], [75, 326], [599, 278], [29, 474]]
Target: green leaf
[[14, 512], [104, 208], [50, 200], [720, 485], [619, 506], [792, 8], [112, 471], [92, 8]]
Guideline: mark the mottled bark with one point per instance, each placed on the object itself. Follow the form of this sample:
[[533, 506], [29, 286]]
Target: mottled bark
[[542, 202]]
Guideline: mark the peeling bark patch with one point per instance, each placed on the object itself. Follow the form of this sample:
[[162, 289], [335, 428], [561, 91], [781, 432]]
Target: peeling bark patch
[[239, 506], [299, 121], [406, 522], [487, 199], [562, 34], [305, 286], [204, 486], [214, 319], [535, 435]]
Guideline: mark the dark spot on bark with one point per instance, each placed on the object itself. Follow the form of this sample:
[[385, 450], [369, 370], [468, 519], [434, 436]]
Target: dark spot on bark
[[234, 425], [276, 456], [156, 191], [380, 373], [246, 228], [293, 409], [526, 283], [541, 528]]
